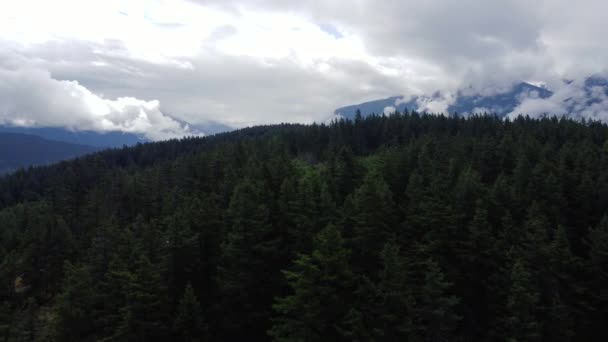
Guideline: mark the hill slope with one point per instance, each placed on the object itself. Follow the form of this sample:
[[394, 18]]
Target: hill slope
[[87, 138], [23, 150], [388, 228]]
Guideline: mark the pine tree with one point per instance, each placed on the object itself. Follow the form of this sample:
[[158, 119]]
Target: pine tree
[[73, 315], [374, 217], [5, 320], [321, 285], [434, 309], [180, 255], [111, 295], [598, 260], [247, 279], [144, 318], [189, 325], [205, 216], [477, 262], [23, 327], [394, 306], [298, 204], [343, 170], [562, 264], [521, 321]]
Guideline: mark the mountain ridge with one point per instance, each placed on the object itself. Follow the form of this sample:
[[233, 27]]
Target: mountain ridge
[[501, 103], [19, 150]]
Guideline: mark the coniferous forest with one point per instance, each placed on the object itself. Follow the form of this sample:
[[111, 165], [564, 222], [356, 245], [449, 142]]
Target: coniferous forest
[[408, 227]]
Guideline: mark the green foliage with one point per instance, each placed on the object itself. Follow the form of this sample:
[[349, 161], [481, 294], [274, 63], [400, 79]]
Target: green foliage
[[245, 282], [144, 317], [73, 315], [522, 306], [434, 309], [477, 229], [374, 219], [189, 324], [321, 287]]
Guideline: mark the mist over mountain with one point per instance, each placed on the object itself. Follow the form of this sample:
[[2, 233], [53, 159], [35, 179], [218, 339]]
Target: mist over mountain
[[501, 102], [585, 98]]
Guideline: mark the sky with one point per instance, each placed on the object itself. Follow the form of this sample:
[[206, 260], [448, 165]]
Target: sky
[[169, 68]]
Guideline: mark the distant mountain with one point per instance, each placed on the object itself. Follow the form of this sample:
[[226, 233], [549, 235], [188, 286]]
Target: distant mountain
[[88, 138], [371, 107], [211, 127], [591, 94], [500, 104], [105, 139], [23, 150]]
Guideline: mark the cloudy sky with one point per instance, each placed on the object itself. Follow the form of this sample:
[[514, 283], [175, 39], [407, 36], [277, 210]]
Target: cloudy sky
[[167, 68]]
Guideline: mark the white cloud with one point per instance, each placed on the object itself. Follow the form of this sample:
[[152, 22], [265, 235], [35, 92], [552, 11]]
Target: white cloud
[[437, 104], [574, 99], [34, 98], [242, 63], [388, 110]]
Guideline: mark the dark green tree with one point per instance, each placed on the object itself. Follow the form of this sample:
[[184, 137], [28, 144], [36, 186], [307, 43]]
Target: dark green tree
[[246, 278], [321, 289], [374, 217], [598, 260], [73, 314], [393, 304], [521, 322], [434, 308], [189, 324], [145, 316]]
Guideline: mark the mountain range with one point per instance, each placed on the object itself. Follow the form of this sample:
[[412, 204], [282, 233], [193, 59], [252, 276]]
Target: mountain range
[[584, 98], [21, 147], [500, 103], [88, 138], [103, 139], [23, 150], [25, 146]]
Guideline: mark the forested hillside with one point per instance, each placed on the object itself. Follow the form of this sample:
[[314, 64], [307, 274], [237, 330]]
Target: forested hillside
[[24, 150], [401, 228]]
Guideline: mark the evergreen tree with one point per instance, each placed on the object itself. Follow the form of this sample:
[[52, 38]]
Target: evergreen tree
[[73, 315], [393, 306], [321, 289], [598, 255], [189, 325], [521, 321], [248, 250], [501, 207], [562, 264], [435, 318], [373, 215], [180, 255], [144, 318]]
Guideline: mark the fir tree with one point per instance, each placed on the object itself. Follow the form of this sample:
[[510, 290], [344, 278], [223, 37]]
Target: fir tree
[[189, 324], [373, 215], [434, 311], [321, 285], [73, 315], [144, 318], [248, 249], [521, 320]]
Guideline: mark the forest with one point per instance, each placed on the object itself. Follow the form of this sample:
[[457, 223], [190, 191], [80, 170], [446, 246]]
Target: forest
[[401, 227]]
